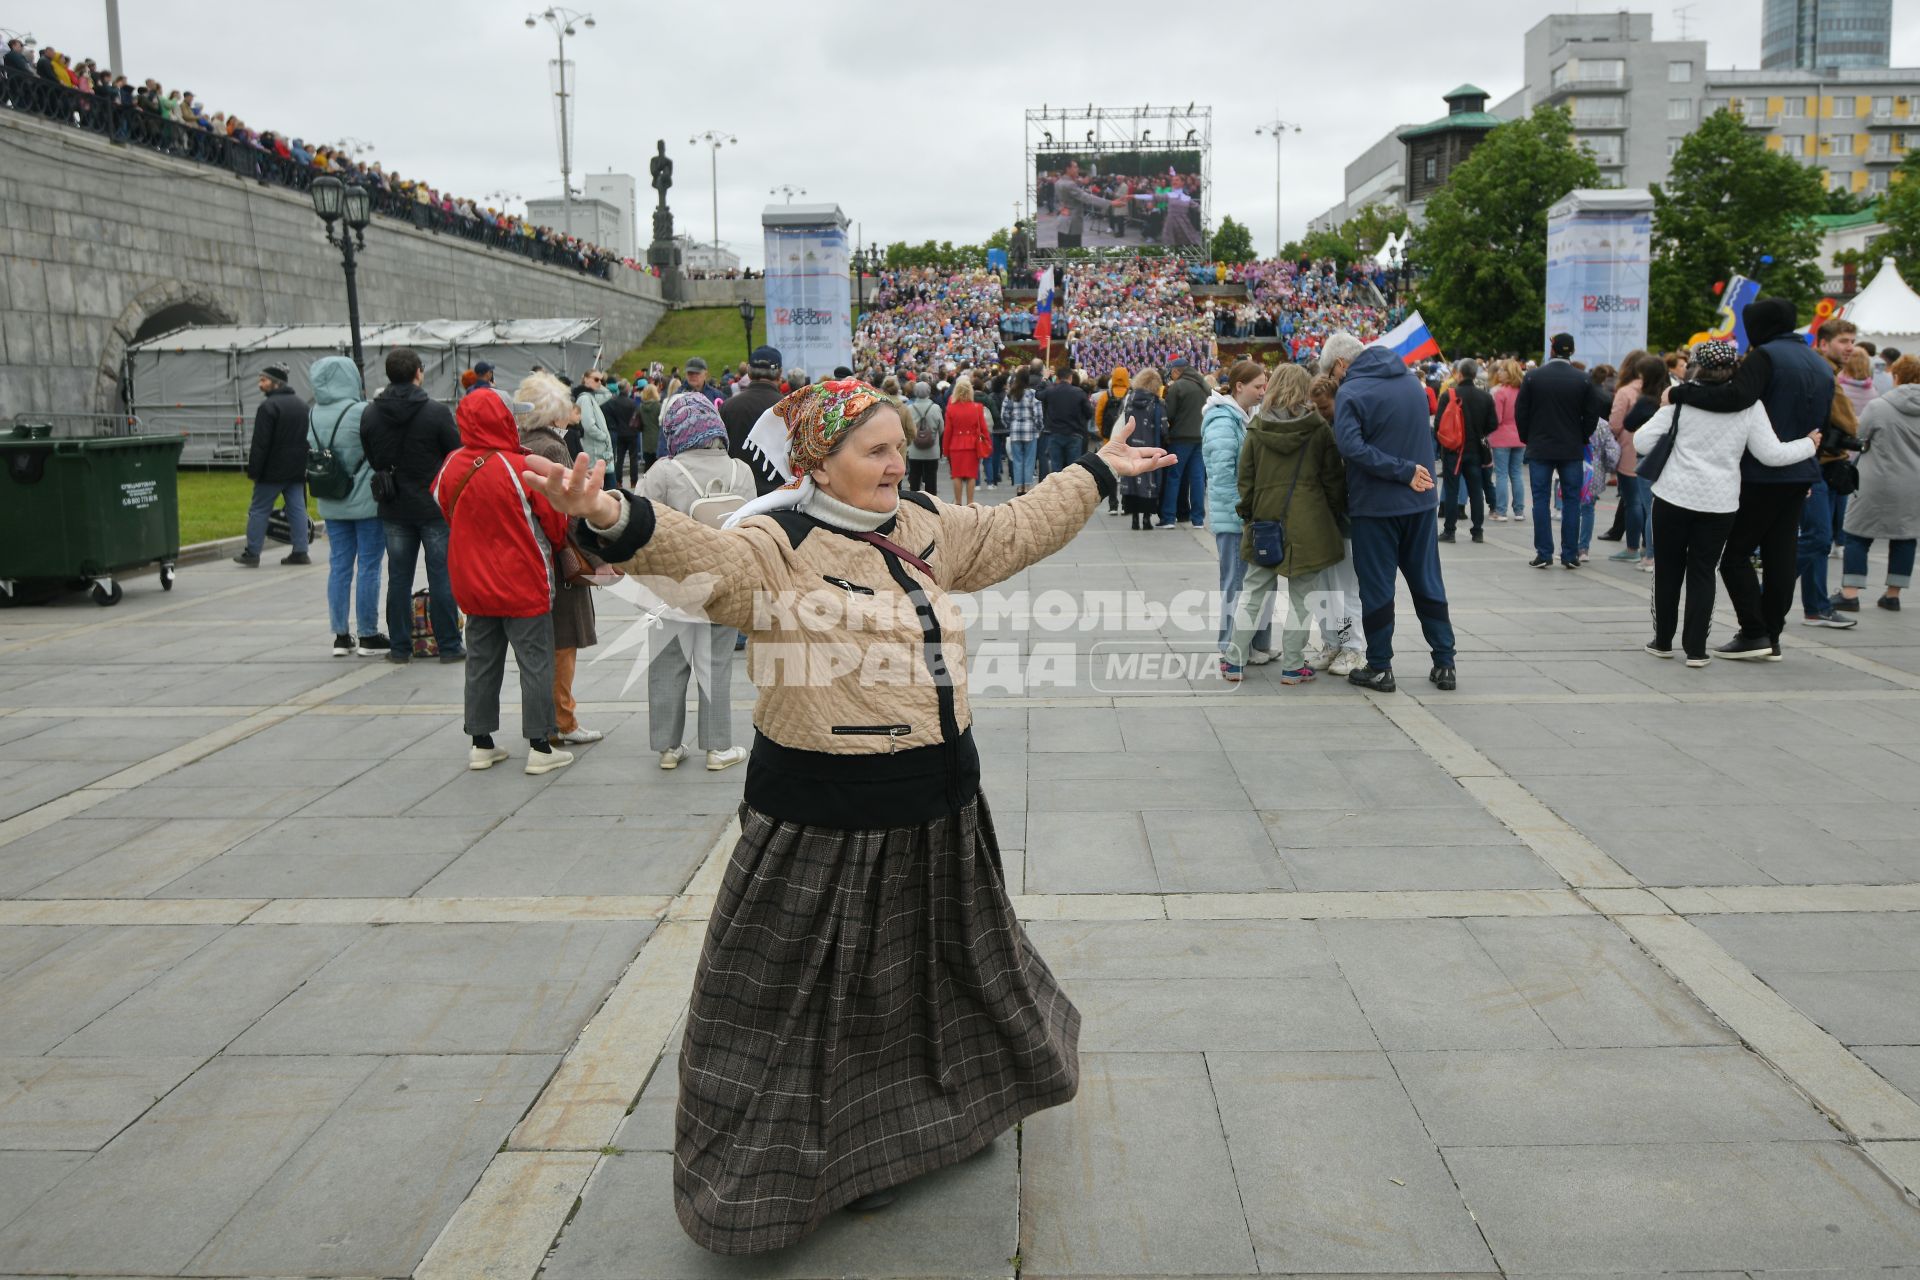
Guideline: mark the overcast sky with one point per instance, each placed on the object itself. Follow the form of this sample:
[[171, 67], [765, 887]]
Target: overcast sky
[[908, 116]]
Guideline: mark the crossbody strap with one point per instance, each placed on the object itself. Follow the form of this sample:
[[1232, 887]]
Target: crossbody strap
[[460, 485], [892, 548]]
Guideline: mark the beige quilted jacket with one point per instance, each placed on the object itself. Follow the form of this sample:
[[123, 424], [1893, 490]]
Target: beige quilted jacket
[[846, 658]]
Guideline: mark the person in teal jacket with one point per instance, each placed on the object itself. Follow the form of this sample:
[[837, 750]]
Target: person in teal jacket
[[355, 535], [1223, 428]]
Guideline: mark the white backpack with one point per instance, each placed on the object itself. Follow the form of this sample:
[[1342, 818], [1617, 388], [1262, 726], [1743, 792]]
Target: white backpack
[[717, 501]]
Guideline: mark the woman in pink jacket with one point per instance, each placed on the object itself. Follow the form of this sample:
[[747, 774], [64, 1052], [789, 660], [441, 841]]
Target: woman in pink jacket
[[1509, 455]]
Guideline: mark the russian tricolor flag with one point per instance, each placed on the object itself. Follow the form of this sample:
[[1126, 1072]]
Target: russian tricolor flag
[[1410, 340], [1043, 311]]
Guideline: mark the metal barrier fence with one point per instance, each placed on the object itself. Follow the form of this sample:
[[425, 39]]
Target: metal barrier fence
[[131, 125]]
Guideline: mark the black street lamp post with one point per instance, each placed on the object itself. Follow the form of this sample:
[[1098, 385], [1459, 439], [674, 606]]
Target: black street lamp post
[[350, 203], [746, 320]]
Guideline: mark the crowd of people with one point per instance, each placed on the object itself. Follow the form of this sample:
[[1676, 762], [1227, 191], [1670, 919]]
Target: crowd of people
[[52, 84], [923, 316]]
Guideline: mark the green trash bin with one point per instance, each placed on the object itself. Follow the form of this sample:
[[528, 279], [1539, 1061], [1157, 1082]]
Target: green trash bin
[[82, 510]]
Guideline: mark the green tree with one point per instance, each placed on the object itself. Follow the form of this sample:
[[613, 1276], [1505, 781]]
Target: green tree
[[1232, 242], [1728, 204], [1371, 227], [1484, 242], [1900, 210]]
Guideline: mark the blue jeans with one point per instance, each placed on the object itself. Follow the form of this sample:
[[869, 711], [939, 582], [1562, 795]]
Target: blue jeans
[[1188, 475], [1058, 451], [1632, 498], [1409, 545], [1510, 477], [1233, 574], [1816, 543], [264, 496], [351, 542], [990, 465], [1899, 562], [1586, 525], [1571, 475], [405, 540], [1020, 453]]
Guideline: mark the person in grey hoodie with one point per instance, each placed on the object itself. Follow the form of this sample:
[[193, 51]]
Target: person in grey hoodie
[[1888, 502], [923, 460], [356, 538]]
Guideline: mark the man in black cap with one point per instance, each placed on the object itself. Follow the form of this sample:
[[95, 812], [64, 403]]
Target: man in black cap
[[697, 381], [1556, 411], [277, 465], [483, 375], [743, 408]]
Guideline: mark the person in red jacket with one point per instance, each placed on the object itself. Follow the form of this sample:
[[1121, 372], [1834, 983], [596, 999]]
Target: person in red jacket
[[500, 560], [967, 439]]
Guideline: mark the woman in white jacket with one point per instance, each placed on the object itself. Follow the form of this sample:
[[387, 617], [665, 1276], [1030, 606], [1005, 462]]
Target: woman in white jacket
[[1695, 498]]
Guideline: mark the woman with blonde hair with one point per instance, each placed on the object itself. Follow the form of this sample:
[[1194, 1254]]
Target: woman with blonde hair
[[545, 409], [1509, 455], [966, 440], [1291, 475]]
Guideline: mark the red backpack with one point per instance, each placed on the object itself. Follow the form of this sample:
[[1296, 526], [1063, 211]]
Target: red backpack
[[1453, 425]]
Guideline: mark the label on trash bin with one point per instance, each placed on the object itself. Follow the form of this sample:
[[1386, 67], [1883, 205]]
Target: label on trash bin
[[139, 493]]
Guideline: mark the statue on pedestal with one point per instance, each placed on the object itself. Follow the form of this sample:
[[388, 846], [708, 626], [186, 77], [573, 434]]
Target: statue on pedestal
[[663, 253]]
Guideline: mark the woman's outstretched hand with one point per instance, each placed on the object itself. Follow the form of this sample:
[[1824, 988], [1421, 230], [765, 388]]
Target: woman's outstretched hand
[[575, 490], [1129, 460]]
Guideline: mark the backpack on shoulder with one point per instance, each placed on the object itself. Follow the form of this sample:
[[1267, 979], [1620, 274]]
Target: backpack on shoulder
[[1453, 425], [922, 429], [327, 476], [717, 500]]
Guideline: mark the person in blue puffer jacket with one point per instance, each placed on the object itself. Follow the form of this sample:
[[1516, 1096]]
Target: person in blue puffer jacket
[[355, 536], [1223, 429], [1382, 427]]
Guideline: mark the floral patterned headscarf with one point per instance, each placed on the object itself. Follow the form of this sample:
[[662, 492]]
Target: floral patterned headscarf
[[793, 438]]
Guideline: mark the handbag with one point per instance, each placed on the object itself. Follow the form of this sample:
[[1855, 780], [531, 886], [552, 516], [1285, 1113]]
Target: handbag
[[1843, 474], [1270, 536], [1654, 460]]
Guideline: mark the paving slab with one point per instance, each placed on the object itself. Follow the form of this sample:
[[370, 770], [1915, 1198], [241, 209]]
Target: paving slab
[[174, 1179], [1149, 1015], [1167, 949], [1207, 850], [1088, 853], [1692, 1207], [354, 1199], [1548, 1097], [35, 859], [48, 1000], [1133, 1177], [1900, 1064], [146, 861], [1359, 868], [1428, 984], [79, 1104], [25, 1176], [1335, 1170], [961, 1222], [456, 988]]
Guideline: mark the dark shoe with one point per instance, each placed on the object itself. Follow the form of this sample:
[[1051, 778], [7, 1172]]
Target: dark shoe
[[1846, 604], [872, 1200], [375, 646], [247, 558], [1479, 537], [1569, 564], [1889, 602], [1444, 677], [398, 659], [1446, 537], [342, 646], [1659, 650], [1609, 537], [1368, 678], [1831, 619], [1540, 562], [458, 655], [1746, 648], [298, 557]]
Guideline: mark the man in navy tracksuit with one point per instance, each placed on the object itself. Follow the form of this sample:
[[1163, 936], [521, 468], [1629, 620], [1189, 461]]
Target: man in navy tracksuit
[[1381, 427]]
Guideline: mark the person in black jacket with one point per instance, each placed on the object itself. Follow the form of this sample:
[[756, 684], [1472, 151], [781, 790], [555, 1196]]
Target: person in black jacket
[[623, 424], [1795, 385], [743, 408], [17, 58], [277, 465], [1472, 464], [407, 436], [1555, 413]]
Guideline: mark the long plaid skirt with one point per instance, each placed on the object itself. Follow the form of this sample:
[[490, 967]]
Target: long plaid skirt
[[866, 1010]]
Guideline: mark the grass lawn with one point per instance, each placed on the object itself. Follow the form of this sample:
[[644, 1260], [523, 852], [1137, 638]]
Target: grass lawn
[[213, 504], [712, 332]]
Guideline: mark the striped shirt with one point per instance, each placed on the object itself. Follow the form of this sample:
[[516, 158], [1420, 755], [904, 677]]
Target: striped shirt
[[1022, 416]]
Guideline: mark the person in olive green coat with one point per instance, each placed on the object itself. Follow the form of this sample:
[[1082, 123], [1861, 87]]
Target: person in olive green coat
[[1290, 471], [649, 422]]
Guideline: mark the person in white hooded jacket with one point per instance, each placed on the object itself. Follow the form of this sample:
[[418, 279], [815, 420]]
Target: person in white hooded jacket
[[1696, 496]]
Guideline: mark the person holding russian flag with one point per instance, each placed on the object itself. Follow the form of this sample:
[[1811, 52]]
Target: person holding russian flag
[[1381, 428]]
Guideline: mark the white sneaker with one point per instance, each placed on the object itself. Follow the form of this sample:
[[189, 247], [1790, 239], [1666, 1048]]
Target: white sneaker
[[547, 761], [718, 760], [486, 757], [1349, 661], [1323, 658], [579, 737], [671, 759], [1261, 657]]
